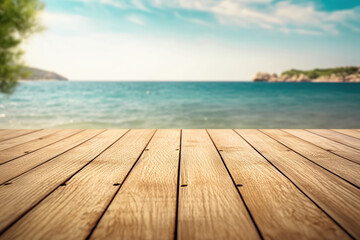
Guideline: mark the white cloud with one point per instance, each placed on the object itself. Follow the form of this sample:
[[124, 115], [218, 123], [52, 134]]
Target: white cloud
[[284, 14], [307, 32], [135, 19], [193, 20], [113, 3], [255, 13], [237, 13], [270, 15], [140, 5], [300, 31], [65, 22]]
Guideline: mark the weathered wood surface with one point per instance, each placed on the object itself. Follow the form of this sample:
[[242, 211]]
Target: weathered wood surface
[[327, 144], [145, 206], [31, 146], [180, 184], [338, 198], [338, 165], [209, 203], [10, 134], [26, 138], [279, 208], [338, 137], [350, 132]]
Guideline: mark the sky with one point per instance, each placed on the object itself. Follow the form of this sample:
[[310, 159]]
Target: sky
[[184, 40]]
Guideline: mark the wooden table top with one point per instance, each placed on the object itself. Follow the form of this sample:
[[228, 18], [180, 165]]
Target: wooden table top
[[180, 184]]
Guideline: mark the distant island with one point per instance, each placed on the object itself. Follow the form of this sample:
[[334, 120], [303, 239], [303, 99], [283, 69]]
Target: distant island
[[339, 74], [38, 75]]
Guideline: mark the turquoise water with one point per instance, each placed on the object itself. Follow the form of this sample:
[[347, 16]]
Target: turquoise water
[[181, 105]]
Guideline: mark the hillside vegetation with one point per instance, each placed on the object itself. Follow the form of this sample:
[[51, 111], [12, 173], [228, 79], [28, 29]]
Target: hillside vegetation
[[337, 74], [316, 73]]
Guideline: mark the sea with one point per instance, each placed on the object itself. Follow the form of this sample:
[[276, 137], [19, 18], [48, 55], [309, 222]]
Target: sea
[[81, 104]]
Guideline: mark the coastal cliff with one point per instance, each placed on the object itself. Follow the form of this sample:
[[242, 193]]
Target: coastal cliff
[[340, 74], [38, 74]]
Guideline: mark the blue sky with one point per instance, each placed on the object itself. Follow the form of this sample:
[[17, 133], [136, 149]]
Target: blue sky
[[193, 39]]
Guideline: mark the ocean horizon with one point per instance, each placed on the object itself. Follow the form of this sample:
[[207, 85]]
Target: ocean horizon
[[180, 104]]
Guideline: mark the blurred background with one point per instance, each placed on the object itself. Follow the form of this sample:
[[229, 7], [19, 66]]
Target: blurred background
[[180, 64]]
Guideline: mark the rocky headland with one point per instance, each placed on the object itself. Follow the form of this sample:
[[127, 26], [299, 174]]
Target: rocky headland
[[340, 74], [36, 74]]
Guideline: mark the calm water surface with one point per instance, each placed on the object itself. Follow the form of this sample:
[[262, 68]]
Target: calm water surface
[[181, 105]]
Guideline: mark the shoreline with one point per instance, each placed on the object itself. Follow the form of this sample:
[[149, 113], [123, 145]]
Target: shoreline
[[350, 74], [176, 81]]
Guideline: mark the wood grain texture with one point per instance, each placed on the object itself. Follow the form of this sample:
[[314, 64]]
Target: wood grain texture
[[29, 189], [327, 144], [210, 206], [20, 165], [338, 137], [109, 184], [9, 134], [145, 206], [335, 196], [338, 165], [29, 147], [280, 210], [25, 138], [350, 132], [89, 192]]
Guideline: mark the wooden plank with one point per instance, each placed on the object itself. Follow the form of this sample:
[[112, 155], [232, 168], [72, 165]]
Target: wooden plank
[[338, 137], [145, 206], [29, 147], [327, 144], [336, 197], [71, 211], [28, 190], [340, 166], [20, 165], [25, 138], [280, 210], [350, 132], [9, 134], [210, 206]]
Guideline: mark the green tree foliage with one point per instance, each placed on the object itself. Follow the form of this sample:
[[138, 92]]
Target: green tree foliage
[[18, 20], [340, 71]]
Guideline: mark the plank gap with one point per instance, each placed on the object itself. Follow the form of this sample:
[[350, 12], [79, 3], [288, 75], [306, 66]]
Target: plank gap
[[240, 195], [317, 164], [336, 222], [54, 189], [54, 157], [118, 190], [178, 189]]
